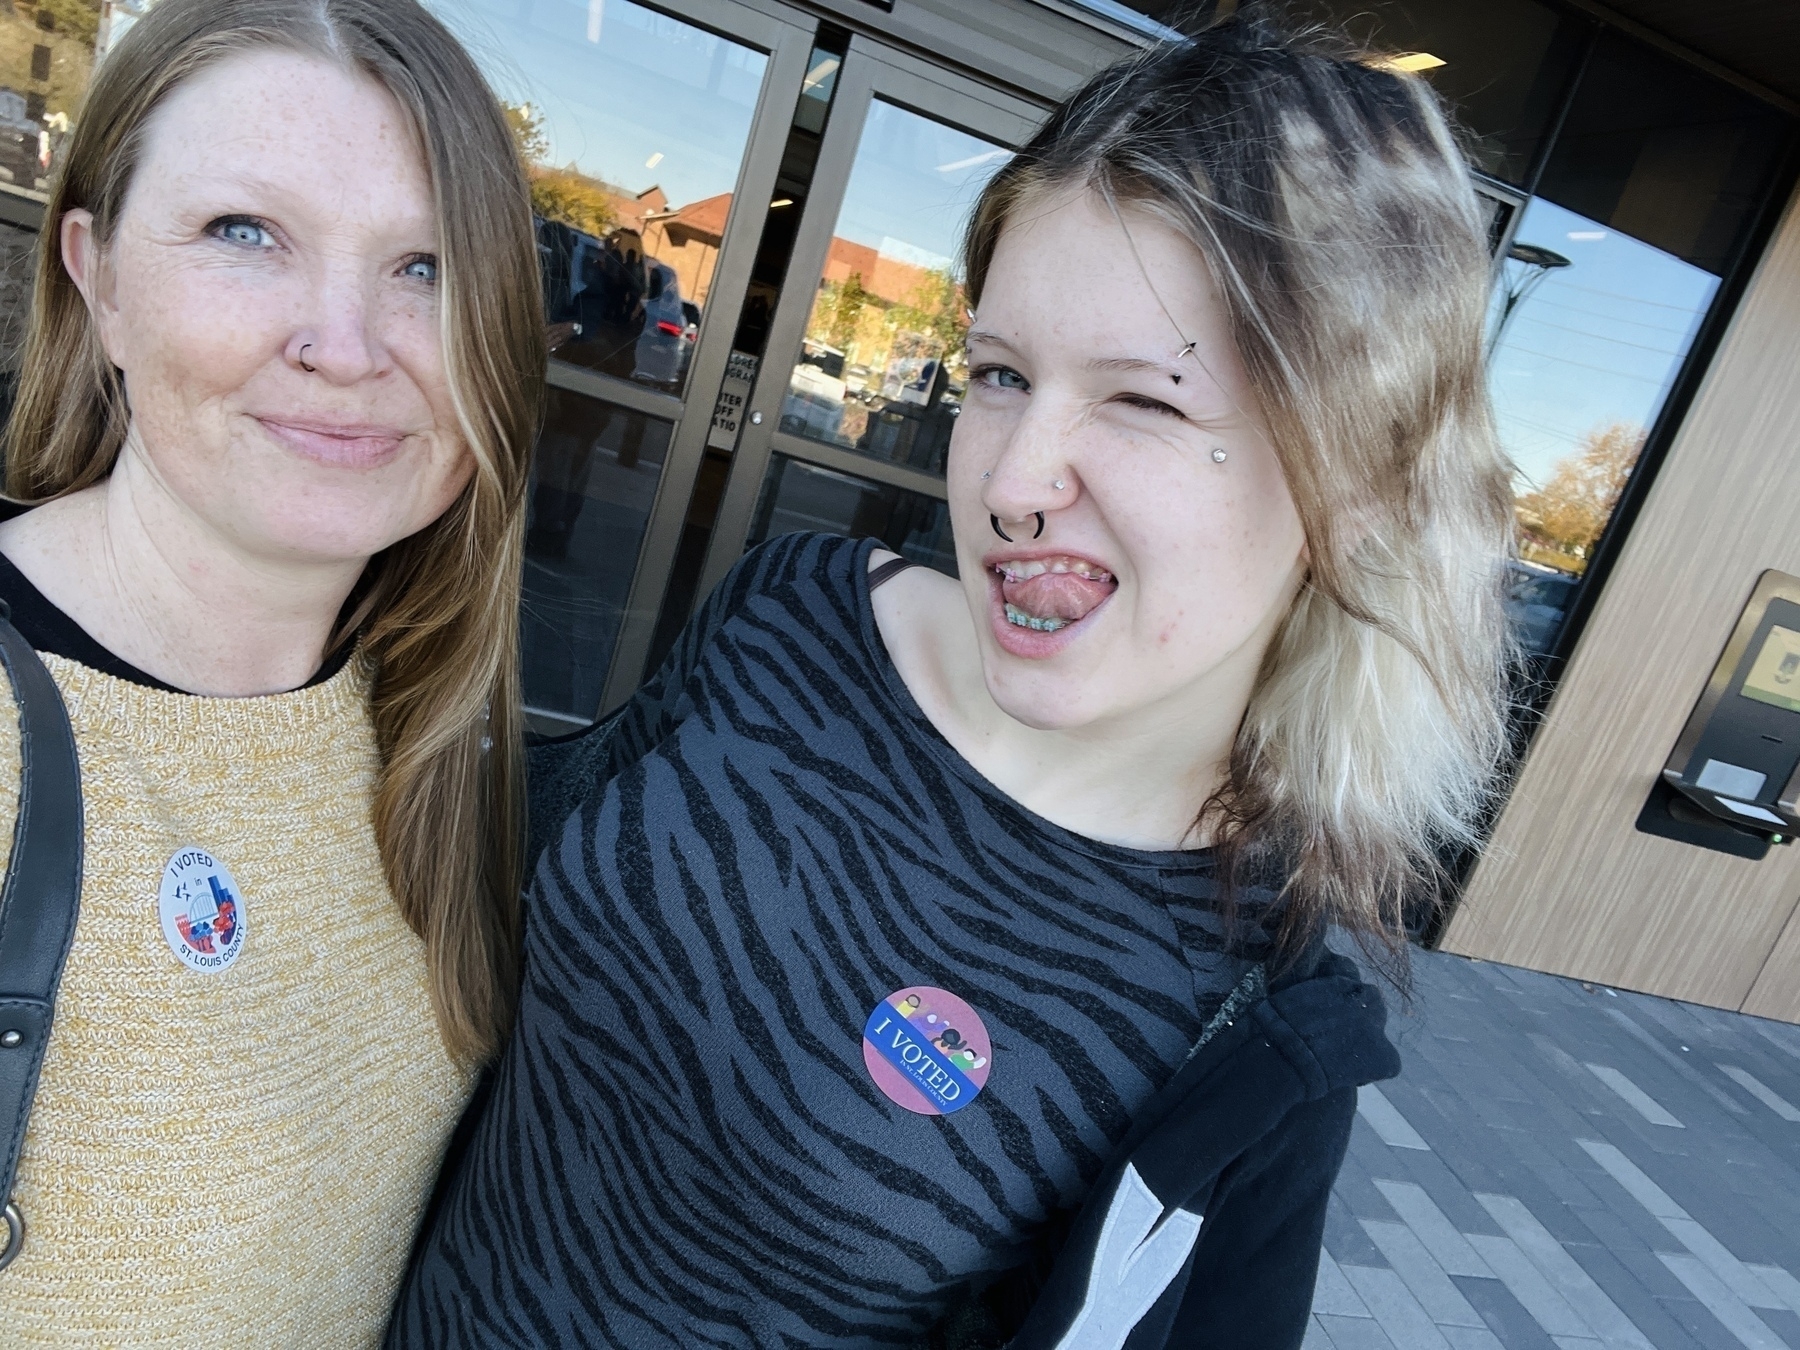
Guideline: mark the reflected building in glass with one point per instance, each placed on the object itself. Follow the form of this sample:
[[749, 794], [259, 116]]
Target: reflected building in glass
[[630, 206]]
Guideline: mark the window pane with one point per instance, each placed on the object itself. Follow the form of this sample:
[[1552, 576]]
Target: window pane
[[801, 496], [881, 371], [633, 125], [1666, 154], [1589, 329], [1506, 64], [46, 56], [593, 483]]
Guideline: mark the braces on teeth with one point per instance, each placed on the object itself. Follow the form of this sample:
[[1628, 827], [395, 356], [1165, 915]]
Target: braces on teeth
[[1017, 616]]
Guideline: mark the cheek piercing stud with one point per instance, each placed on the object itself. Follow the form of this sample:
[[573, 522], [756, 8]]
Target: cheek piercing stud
[[1218, 455]]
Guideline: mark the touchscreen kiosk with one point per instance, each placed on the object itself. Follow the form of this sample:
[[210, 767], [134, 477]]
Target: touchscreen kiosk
[[1738, 758]]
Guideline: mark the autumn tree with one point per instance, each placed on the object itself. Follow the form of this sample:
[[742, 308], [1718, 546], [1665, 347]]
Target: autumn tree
[[846, 311], [935, 311], [565, 194], [1568, 513]]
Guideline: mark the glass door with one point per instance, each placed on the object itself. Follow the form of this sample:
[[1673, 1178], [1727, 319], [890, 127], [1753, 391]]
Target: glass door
[[851, 411], [643, 129]]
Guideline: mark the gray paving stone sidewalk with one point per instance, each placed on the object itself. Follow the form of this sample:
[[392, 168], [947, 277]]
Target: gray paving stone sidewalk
[[1565, 1167]]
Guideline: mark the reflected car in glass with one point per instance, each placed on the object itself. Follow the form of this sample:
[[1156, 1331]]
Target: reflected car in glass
[[667, 338], [1537, 602]]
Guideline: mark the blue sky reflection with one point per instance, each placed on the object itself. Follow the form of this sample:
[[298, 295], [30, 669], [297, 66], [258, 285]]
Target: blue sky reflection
[[1597, 342], [627, 95]]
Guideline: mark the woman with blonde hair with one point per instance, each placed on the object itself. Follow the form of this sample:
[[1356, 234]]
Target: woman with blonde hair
[[269, 451], [940, 962]]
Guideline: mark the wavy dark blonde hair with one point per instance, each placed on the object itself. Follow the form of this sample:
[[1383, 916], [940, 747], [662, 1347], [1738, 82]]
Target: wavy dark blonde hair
[[1328, 197], [438, 612]]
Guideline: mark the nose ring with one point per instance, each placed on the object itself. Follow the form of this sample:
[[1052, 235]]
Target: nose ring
[[301, 358], [994, 521]]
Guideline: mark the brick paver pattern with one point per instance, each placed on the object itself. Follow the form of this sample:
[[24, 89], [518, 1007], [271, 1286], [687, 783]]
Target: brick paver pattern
[[1562, 1166]]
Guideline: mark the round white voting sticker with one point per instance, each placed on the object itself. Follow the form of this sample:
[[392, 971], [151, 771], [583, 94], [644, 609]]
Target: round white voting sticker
[[202, 911]]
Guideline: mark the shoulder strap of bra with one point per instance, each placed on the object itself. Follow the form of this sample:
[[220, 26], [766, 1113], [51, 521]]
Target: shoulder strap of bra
[[38, 902], [890, 569]]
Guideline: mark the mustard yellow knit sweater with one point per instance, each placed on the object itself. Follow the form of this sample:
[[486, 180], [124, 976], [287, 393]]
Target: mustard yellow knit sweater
[[235, 1158]]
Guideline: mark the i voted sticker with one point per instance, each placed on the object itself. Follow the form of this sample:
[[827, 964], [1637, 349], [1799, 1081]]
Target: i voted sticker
[[202, 912], [927, 1050]]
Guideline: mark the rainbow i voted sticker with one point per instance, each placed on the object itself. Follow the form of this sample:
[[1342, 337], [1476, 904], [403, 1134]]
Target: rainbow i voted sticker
[[927, 1050]]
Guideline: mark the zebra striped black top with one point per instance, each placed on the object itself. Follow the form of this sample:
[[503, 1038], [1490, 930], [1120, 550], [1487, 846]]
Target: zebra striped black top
[[687, 1144]]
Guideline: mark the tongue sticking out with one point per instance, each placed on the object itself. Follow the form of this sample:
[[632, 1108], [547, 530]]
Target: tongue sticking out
[[1052, 598]]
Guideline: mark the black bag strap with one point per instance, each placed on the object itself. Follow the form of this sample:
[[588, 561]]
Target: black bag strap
[[38, 904]]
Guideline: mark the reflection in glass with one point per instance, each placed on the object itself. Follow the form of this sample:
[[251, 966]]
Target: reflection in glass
[[1670, 156], [801, 496], [46, 56], [1589, 328], [632, 125], [1504, 65], [881, 370], [593, 484]]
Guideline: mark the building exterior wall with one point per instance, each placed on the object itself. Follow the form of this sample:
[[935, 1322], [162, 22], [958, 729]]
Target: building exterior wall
[[1568, 884]]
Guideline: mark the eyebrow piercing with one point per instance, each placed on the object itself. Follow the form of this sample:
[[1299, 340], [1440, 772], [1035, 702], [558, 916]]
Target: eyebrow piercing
[[1218, 454]]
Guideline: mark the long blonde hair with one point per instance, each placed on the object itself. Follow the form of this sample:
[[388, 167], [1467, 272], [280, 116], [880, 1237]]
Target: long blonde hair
[[437, 612], [1327, 195]]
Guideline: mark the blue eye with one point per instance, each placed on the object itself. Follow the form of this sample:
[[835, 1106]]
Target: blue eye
[[1002, 377], [242, 230], [422, 268]]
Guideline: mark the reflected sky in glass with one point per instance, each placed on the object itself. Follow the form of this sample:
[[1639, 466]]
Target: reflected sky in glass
[[626, 94], [1594, 343], [913, 186]]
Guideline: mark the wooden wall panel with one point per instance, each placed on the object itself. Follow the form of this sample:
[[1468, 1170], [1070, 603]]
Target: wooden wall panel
[[1776, 992], [1567, 884]]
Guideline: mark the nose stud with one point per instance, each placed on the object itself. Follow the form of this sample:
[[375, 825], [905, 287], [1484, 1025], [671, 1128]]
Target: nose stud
[[987, 475], [1059, 485], [1218, 454], [301, 358]]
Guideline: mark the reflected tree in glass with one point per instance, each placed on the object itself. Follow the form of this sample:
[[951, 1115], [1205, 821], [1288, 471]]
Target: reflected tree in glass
[[1589, 328], [632, 125], [881, 370]]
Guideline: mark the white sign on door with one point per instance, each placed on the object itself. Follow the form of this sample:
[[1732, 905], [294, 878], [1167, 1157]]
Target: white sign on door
[[734, 397]]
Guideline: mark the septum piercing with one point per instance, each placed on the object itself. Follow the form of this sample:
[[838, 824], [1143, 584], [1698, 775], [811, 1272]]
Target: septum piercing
[[1218, 454], [301, 358], [994, 521]]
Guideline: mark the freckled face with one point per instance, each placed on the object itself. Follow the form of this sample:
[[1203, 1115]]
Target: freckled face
[[1159, 568], [282, 203]]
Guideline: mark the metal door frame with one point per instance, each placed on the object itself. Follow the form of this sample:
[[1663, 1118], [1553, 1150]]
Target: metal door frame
[[786, 36], [870, 71]]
